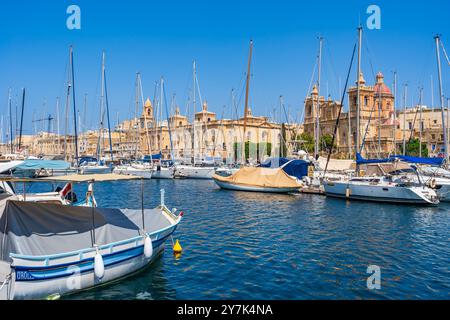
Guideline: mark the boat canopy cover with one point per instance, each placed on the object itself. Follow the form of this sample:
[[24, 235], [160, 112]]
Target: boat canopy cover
[[379, 169], [36, 229], [100, 177], [361, 160], [148, 158], [430, 161], [293, 167], [33, 164], [336, 164], [6, 166], [261, 177]]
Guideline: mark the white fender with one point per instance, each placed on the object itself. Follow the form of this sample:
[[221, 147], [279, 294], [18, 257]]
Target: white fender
[[148, 247], [99, 266]]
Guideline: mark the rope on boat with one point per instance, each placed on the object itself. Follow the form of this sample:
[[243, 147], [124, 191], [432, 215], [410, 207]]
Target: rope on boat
[[330, 148]]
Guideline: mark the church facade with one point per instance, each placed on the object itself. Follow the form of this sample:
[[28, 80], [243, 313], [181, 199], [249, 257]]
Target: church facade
[[379, 129]]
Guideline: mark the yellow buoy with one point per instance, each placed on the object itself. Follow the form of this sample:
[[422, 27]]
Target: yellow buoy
[[177, 247]]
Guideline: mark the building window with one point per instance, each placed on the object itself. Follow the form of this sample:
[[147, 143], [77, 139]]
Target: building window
[[433, 136], [209, 119], [180, 123], [366, 101], [435, 121], [410, 125]]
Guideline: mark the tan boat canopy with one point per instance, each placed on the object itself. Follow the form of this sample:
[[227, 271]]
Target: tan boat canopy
[[336, 164], [261, 177]]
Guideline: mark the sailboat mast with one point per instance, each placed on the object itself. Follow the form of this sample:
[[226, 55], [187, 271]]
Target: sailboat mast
[[168, 120], [358, 85], [441, 96], [21, 118], [10, 123], [420, 122], [405, 91], [74, 106], [160, 113], [317, 129], [194, 107], [138, 75], [136, 118], [247, 86], [107, 111], [102, 101], [395, 113], [57, 126], [66, 118]]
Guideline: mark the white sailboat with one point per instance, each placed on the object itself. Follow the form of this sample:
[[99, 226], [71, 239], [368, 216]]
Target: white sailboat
[[138, 168], [198, 169], [95, 166], [380, 182], [90, 165], [382, 186], [163, 169], [135, 169]]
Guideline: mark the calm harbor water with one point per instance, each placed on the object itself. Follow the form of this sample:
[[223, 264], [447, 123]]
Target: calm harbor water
[[240, 245]]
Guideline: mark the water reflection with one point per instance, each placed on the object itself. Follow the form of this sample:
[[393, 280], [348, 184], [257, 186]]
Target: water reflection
[[244, 245]]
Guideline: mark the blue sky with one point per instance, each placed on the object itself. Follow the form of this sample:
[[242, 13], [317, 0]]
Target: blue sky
[[161, 38]]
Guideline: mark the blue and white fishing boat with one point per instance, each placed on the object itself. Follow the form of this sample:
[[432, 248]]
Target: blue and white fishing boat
[[50, 250]]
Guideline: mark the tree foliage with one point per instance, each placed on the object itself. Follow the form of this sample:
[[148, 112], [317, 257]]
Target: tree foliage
[[412, 148], [254, 147]]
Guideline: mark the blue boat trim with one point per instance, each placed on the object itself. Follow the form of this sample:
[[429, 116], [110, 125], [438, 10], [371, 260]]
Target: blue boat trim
[[62, 270], [83, 251]]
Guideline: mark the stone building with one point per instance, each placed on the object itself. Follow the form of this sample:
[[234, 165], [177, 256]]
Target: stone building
[[217, 138], [376, 119], [432, 129]]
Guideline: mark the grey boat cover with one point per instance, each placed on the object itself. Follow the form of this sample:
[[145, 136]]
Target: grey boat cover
[[31, 228]]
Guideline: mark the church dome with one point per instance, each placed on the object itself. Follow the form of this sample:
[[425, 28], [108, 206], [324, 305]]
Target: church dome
[[380, 87]]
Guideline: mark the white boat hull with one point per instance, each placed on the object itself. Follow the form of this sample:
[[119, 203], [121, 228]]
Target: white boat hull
[[143, 173], [78, 281], [230, 186], [191, 172], [94, 169], [380, 193], [162, 173], [443, 191]]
